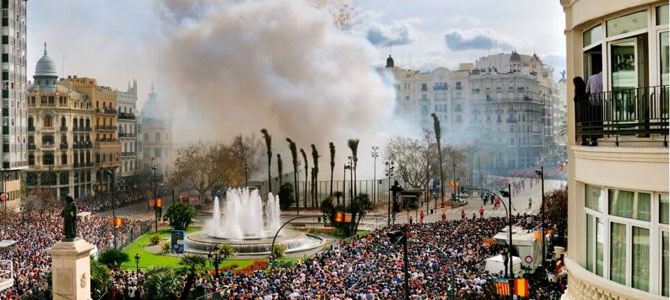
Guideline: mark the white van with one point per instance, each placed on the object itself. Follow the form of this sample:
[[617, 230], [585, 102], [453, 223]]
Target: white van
[[496, 266]]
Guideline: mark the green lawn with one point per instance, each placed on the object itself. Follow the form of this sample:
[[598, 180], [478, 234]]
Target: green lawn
[[148, 259]]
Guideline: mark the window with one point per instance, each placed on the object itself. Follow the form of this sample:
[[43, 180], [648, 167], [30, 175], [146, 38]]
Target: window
[[665, 288], [625, 204], [47, 121], [589, 242], [640, 258], [48, 159], [664, 209], [618, 253], [627, 23], [600, 246], [664, 52], [593, 35], [158, 137], [662, 15], [595, 198], [157, 152]]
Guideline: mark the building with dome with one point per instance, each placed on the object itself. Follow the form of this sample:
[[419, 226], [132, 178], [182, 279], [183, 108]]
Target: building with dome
[[156, 135], [60, 135], [14, 116]]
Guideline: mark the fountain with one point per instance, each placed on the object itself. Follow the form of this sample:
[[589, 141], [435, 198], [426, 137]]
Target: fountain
[[248, 225]]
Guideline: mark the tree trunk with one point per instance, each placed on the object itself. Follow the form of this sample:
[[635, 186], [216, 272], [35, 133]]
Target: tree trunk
[[187, 287], [331, 179]]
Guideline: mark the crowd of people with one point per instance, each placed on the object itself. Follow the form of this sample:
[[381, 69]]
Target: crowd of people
[[370, 267], [35, 232], [103, 202]]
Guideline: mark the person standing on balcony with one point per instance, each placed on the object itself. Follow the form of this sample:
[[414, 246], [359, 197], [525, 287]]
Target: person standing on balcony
[[594, 88], [581, 105]]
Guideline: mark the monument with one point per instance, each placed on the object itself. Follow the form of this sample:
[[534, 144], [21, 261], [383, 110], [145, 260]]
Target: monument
[[70, 260]]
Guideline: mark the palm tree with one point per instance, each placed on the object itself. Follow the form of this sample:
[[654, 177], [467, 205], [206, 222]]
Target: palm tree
[[294, 156], [268, 145], [160, 283], [304, 157], [438, 136], [191, 263], [280, 168], [227, 250], [332, 165], [353, 145], [315, 173]]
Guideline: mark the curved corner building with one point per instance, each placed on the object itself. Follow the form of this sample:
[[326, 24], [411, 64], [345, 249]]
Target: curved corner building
[[618, 186]]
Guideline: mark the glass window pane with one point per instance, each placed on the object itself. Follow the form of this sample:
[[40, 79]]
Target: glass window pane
[[665, 66], [641, 258], [662, 15], [593, 35], [621, 203], [595, 198], [600, 246], [666, 264], [627, 23], [664, 208], [589, 242], [643, 207], [618, 253]]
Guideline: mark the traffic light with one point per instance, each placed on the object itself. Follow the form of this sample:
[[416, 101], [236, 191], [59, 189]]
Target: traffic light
[[396, 236]]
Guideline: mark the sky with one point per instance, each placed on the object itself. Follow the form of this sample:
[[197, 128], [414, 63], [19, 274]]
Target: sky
[[113, 41]]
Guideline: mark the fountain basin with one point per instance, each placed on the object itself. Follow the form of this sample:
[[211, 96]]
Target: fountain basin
[[294, 241]]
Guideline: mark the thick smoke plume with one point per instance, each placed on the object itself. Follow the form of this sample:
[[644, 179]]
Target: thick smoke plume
[[282, 65]]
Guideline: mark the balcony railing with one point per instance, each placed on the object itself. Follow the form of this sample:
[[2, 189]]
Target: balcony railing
[[105, 127], [126, 116], [638, 112], [82, 145], [82, 129]]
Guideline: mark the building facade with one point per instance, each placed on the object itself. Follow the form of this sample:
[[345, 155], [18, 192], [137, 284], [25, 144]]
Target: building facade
[[60, 135], [618, 206], [156, 136], [127, 131], [504, 103], [14, 104]]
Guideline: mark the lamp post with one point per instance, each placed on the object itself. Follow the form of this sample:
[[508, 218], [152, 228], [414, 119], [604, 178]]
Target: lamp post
[[508, 194], [153, 169], [215, 257], [389, 166], [375, 154], [400, 236], [137, 262], [351, 178], [113, 200], [540, 173]]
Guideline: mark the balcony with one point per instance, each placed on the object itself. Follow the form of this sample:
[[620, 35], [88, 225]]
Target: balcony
[[63, 128], [83, 145], [126, 116], [106, 110], [630, 113], [126, 154], [31, 147], [82, 129], [105, 127], [63, 146], [125, 135]]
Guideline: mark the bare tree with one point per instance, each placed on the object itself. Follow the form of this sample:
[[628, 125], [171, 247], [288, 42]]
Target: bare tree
[[247, 149]]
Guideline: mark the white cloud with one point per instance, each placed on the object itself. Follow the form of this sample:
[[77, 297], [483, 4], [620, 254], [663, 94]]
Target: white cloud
[[476, 39]]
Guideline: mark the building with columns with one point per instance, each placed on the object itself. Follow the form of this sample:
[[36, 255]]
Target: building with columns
[[127, 131], [618, 205], [156, 136], [14, 105]]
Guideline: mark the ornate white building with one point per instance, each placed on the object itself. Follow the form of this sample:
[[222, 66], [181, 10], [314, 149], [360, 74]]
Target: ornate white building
[[127, 116], [618, 205]]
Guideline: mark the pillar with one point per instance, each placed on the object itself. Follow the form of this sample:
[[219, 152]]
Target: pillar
[[71, 270]]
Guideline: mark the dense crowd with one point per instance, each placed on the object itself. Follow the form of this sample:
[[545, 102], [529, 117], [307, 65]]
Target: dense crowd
[[35, 232], [370, 267], [103, 202]]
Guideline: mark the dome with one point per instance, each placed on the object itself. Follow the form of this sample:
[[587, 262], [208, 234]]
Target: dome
[[45, 66], [514, 57], [389, 62]]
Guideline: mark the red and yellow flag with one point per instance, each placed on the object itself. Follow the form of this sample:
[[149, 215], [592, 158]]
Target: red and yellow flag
[[521, 287], [502, 287]]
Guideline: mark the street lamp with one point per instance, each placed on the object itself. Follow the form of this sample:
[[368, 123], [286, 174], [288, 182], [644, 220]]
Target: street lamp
[[540, 173], [375, 154], [400, 236], [508, 194], [215, 257], [110, 173], [388, 169], [351, 178], [137, 262], [153, 169]]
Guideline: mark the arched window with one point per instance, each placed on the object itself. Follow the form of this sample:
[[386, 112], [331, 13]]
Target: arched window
[[63, 159], [63, 122], [74, 123], [81, 122], [31, 123], [47, 121]]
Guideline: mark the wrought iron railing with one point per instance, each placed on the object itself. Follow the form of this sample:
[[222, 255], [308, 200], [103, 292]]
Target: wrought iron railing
[[637, 112]]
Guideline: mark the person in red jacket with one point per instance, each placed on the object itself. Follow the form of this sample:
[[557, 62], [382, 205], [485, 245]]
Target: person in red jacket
[[481, 212], [421, 215], [444, 216], [463, 214]]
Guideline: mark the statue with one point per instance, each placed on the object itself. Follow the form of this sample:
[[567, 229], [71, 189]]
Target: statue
[[69, 215]]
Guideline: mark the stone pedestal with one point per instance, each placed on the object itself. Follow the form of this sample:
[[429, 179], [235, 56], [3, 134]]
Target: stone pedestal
[[71, 270]]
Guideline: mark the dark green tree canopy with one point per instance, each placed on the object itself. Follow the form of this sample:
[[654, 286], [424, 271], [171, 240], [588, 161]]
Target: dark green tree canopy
[[181, 215]]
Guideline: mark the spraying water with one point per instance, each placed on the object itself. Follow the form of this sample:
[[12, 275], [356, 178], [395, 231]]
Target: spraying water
[[245, 216]]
